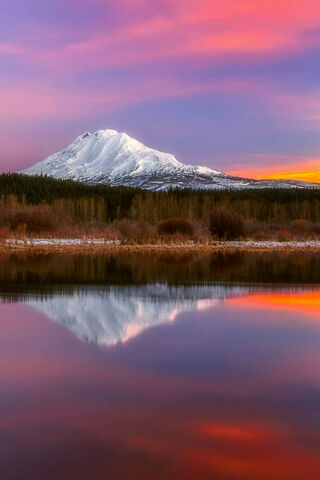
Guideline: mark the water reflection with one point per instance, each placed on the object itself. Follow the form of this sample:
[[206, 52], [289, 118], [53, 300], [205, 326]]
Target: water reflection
[[225, 385], [48, 273], [308, 303], [116, 315]]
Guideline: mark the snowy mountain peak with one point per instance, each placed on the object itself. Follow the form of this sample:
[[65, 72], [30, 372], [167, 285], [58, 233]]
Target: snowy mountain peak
[[114, 158], [106, 156]]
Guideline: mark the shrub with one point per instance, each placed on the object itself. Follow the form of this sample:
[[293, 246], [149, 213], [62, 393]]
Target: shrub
[[108, 232], [300, 226], [4, 233], [226, 224], [173, 226], [21, 229], [315, 228], [32, 219], [134, 232], [261, 235], [283, 235]]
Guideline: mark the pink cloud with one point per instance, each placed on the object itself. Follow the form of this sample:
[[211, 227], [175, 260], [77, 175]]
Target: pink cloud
[[12, 49], [35, 101], [304, 105], [176, 28]]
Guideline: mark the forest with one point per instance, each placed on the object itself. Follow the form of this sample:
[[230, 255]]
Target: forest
[[42, 205]]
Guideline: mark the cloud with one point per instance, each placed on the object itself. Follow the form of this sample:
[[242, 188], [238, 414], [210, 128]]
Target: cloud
[[31, 100], [150, 31], [12, 49]]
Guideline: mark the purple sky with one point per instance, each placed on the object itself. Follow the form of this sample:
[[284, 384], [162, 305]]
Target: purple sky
[[230, 84]]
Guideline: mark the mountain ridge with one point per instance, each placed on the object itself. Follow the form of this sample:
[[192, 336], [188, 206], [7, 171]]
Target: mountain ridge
[[114, 158]]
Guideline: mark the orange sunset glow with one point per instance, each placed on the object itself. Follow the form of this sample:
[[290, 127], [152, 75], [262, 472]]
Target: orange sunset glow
[[307, 171], [308, 176]]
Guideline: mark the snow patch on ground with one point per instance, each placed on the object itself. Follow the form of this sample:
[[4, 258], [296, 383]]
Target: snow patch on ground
[[247, 244]]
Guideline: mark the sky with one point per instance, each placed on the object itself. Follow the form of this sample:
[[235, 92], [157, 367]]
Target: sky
[[230, 84]]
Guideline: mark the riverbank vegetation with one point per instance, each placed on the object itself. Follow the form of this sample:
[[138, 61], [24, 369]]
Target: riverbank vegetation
[[38, 206]]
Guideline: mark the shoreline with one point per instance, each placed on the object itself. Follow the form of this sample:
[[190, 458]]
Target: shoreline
[[70, 245]]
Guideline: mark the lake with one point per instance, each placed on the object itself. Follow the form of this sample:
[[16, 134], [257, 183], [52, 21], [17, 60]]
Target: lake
[[160, 366]]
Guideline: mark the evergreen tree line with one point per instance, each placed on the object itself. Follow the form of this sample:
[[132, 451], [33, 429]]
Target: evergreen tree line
[[102, 203]]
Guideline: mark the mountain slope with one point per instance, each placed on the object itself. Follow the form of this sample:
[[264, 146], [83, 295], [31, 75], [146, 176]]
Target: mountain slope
[[114, 158]]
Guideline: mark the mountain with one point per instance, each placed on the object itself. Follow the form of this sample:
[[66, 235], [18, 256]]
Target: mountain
[[114, 158]]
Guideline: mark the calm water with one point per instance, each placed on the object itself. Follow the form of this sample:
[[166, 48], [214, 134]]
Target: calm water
[[160, 367]]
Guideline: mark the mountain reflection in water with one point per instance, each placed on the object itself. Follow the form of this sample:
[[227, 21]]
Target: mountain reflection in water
[[209, 368], [121, 313]]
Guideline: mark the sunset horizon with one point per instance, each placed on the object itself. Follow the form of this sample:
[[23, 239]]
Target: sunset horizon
[[302, 171]]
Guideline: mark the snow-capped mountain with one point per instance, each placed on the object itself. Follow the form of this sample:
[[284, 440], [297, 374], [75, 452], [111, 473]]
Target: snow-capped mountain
[[114, 158]]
